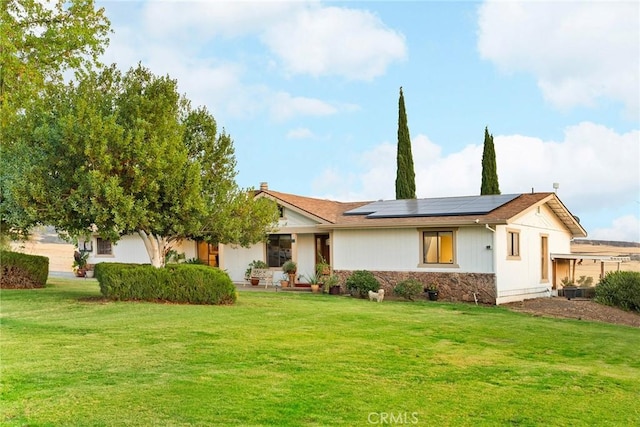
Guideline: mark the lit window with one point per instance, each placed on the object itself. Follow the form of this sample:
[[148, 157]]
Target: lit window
[[278, 249], [437, 247], [513, 244], [104, 246]]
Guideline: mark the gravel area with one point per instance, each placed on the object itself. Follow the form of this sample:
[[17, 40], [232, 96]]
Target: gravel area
[[577, 308]]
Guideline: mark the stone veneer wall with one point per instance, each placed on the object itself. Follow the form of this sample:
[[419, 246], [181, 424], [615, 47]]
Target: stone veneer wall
[[451, 286]]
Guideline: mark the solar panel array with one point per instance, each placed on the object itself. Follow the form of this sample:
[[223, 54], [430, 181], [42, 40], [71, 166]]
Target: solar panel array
[[440, 206]]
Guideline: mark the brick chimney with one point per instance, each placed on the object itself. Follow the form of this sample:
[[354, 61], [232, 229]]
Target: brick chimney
[[264, 186]]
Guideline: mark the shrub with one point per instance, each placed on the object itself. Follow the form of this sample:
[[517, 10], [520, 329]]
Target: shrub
[[361, 282], [22, 271], [620, 289], [408, 289], [181, 283]]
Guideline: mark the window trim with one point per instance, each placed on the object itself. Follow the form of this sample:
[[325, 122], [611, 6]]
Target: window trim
[[510, 233], [454, 238]]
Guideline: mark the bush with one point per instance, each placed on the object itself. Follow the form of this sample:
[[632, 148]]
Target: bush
[[181, 283], [620, 289], [408, 289], [361, 282], [22, 271]]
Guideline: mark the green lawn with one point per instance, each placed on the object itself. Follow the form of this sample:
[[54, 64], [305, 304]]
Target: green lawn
[[304, 359]]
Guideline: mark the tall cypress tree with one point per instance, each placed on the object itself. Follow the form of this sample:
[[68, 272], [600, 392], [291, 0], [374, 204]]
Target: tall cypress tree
[[405, 176], [489, 167]]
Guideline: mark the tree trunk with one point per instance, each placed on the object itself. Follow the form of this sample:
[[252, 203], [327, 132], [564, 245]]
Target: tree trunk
[[156, 247]]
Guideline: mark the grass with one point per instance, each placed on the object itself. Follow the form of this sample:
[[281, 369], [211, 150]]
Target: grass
[[302, 359]]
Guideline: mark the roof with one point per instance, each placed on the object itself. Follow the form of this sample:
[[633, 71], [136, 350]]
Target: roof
[[327, 211], [330, 213], [591, 256]]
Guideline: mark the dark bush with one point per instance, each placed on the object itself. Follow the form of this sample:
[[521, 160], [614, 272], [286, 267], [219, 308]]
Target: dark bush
[[408, 289], [22, 271], [620, 289], [361, 282], [181, 283]]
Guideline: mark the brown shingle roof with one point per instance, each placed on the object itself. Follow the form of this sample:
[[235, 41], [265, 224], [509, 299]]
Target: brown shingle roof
[[332, 213], [326, 210]]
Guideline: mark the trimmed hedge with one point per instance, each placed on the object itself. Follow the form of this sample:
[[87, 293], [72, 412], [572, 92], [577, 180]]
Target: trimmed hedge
[[620, 289], [179, 283], [22, 271]]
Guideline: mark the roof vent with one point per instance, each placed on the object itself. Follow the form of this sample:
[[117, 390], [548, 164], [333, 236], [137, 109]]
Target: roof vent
[[264, 186]]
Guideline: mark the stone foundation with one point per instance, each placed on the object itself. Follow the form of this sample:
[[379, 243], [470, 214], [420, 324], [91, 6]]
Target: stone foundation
[[451, 286]]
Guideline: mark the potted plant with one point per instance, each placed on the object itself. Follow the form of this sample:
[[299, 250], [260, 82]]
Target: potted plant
[[290, 268], [80, 263], [254, 264], [89, 271], [322, 267], [331, 284], [432, 292], [284, 281], [314, 281], [569, 288]]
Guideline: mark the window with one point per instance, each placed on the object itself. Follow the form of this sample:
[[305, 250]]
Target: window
[[104, 246], [278, 249], [437, 247], [544, 254], [280, 211], [513, 244], [85, 246]]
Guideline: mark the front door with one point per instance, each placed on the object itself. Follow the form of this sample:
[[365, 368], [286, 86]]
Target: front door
[[208, 253], [322, 248]]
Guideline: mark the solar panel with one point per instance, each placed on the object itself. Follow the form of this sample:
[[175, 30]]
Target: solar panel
[[440, 206]]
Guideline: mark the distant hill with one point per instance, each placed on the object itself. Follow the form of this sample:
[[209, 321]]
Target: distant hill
[[606, 243]]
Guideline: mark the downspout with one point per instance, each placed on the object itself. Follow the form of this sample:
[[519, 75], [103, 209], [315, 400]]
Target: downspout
[[493, 258]]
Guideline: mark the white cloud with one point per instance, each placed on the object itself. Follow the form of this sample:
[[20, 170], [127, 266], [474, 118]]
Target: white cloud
[[335, 41], [300, 133], [623, 229], [305, 37], [186, 41], [284, 106], [579, 52], [208, 19], [595, 166]]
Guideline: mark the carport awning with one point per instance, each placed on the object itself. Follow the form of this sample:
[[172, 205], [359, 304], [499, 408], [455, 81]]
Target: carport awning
[[596, 257]]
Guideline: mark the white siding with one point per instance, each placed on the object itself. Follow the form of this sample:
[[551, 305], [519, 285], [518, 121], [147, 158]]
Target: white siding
[[235, 259], [381, 249], [522, 278], [131, 249], [399, 250], [305, 255], [474, 250], [294, 219]]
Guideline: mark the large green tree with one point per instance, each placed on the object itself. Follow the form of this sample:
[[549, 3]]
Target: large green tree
[[489, 168], [41, 43], [405, 175], [126, 154]]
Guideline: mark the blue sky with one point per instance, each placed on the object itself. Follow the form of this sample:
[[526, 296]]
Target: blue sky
[[309, 93]]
